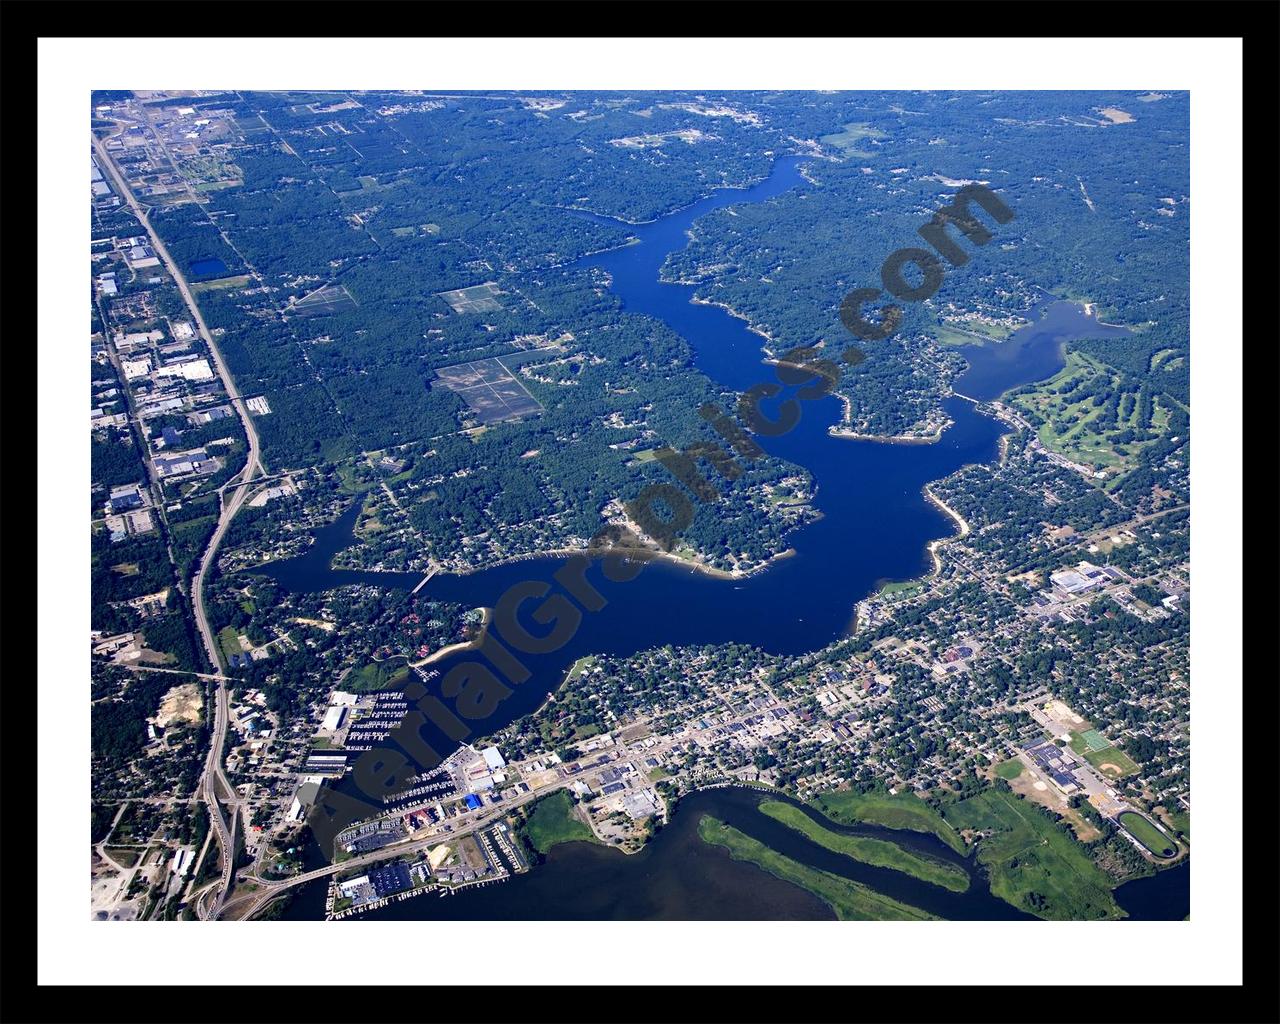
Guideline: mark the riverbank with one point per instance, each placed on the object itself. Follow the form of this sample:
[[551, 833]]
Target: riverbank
[[939, 503], [486, 617]]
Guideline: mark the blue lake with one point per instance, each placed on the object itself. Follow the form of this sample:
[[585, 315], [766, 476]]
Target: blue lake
[[875, 526], [211, 267]]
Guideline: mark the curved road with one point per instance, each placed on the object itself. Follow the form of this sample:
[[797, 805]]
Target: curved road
[[213, 772]]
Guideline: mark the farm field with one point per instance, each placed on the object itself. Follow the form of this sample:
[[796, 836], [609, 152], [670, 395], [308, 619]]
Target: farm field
[[490, 390], [324, 301], [479, 298]]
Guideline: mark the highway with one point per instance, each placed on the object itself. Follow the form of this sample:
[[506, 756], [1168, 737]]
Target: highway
[[213, 771]]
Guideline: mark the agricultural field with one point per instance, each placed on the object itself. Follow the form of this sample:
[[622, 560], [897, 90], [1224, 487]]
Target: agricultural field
[[1032, 863], [324, 301], [490, 390]]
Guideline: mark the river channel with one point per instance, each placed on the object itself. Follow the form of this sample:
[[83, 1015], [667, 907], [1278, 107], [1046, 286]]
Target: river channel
[[875, 526]]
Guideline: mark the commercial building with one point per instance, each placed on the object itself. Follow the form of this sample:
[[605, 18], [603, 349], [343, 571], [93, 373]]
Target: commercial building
[[183, 463]]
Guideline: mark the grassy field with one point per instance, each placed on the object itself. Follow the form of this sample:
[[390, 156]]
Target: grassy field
[[1070, 427], [1009, 769], [849, 900], [900, 587], [1113, 762], [847, 139], [974, 332], [1032, 863], [876, 852], [229, 641], [902, 810], [1181, 820], [126, 856], [552, 822], [1149, 835], [378, 675], [220, 284]]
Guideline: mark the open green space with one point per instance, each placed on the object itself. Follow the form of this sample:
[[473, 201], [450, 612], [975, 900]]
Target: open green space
[[1074, 419], [1181, 820], [1009, 769], [846, 140], [378, 675], [973, 332], [850, 900], [892, 810], [125, 856], [1032, 863], [1155, 840], [1090, 739], [877, 852], [552, 822], [220, 284], [229, 641], [1113, 762]]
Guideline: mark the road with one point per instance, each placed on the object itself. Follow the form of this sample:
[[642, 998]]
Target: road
[[465, 823], [213, 772]]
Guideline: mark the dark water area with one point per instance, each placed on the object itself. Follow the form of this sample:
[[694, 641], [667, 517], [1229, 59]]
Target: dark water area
[[875, 524], [1165, 896], [678, 877], [212, 267]]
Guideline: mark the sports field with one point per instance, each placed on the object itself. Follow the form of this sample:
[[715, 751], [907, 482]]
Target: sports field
[[1093, 740], [1141, 828], [1111, 761]]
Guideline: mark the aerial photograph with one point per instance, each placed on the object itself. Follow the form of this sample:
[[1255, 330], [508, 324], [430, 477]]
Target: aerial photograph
[[540, 505]]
